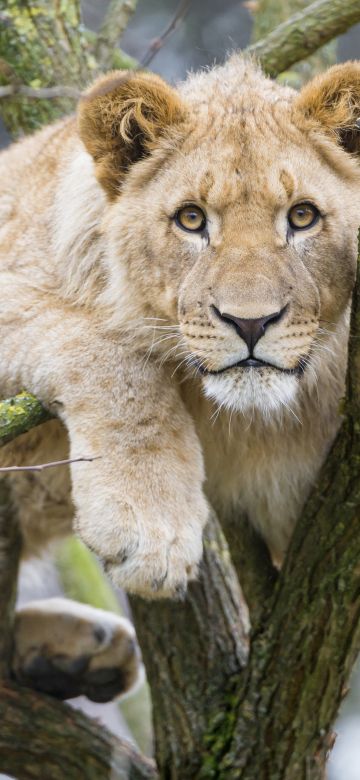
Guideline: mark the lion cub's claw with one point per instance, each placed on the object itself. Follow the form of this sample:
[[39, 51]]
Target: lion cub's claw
[[163, 572]]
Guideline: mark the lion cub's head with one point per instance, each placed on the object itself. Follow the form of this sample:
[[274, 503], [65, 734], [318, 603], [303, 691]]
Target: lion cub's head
[[233, 213]]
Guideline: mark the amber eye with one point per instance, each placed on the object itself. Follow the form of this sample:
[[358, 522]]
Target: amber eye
[[191, 218], [302, 216]]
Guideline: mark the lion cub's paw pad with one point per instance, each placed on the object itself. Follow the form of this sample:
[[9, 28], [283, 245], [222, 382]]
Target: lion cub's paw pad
[[67, 649]]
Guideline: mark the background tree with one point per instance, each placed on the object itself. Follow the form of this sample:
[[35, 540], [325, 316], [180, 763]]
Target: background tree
[[220, 710]]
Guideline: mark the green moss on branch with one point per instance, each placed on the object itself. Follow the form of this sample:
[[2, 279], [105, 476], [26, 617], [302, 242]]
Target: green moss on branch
[[20, 414]]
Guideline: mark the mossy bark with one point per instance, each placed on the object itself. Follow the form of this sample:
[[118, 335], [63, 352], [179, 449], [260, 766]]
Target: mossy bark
[[302, 34], [42, 43], [269, 15], [20, 414]]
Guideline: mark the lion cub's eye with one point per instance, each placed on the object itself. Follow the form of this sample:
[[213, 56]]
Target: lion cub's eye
[[302, 216], [191, 218]]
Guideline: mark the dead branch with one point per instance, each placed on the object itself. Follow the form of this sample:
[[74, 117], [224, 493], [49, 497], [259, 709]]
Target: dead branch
[[50, 465], [158, 42]]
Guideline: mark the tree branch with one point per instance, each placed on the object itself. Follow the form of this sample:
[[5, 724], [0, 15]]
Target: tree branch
[[114, 25], [42, 737], [19, 414], [251, 559], [42, 44], [10, 545], [304, 33], [194, 652], [43, 466], [158, 42], [40, 93]]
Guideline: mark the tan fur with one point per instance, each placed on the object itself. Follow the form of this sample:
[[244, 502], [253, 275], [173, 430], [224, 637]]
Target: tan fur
[[107, 308]]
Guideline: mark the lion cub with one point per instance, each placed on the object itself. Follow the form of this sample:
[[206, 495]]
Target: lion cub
[[176, 270]]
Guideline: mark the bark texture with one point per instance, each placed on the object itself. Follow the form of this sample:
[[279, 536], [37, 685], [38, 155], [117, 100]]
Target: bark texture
[[43, 738], [10, 546], [43, 44], [304, 33], [194, 652], [113, 26]]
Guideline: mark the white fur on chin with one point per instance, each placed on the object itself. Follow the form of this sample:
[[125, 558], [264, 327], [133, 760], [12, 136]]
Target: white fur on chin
[[271, 393]]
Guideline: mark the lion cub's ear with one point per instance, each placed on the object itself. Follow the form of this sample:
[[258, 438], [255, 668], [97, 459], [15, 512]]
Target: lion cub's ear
[[333, 100], [121, 118]]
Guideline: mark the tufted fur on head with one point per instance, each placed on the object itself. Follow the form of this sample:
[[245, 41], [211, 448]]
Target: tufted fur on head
[[120, 119], [332, 100]]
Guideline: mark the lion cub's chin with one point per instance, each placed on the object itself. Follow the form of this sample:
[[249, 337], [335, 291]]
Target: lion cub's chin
[[247, 390]]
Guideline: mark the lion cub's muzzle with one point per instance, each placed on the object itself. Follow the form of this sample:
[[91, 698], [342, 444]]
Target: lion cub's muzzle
[[251, 330]]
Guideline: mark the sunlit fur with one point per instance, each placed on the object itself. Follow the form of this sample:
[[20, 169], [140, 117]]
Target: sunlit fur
[[107, 308]]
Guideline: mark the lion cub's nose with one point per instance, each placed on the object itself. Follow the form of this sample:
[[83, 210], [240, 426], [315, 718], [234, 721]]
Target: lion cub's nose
[[251, 330]]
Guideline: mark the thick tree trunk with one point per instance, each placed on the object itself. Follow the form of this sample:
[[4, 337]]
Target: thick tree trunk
[[194, 652]]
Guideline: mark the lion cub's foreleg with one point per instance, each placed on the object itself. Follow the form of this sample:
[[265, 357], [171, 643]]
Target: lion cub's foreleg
[[139, 505], [68, 649]]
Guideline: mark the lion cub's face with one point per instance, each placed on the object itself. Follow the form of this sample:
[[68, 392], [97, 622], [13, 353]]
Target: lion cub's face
[[242, 229]]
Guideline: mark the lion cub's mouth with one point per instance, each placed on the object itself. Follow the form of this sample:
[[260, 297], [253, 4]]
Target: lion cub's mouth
[[254, 364]]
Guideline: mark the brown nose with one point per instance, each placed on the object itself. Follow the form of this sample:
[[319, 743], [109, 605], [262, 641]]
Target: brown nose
[[251, 330]]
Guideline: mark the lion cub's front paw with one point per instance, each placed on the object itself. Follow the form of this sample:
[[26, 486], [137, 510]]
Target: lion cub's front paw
[[67, 649], [152, 551], [161, 566]]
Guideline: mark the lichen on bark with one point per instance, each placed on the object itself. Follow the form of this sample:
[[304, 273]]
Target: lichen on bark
[[42, 43], [20, 414]]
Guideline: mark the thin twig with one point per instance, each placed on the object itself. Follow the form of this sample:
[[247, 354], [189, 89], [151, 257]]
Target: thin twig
[[42, 466], [158, 42], [39, 93]]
